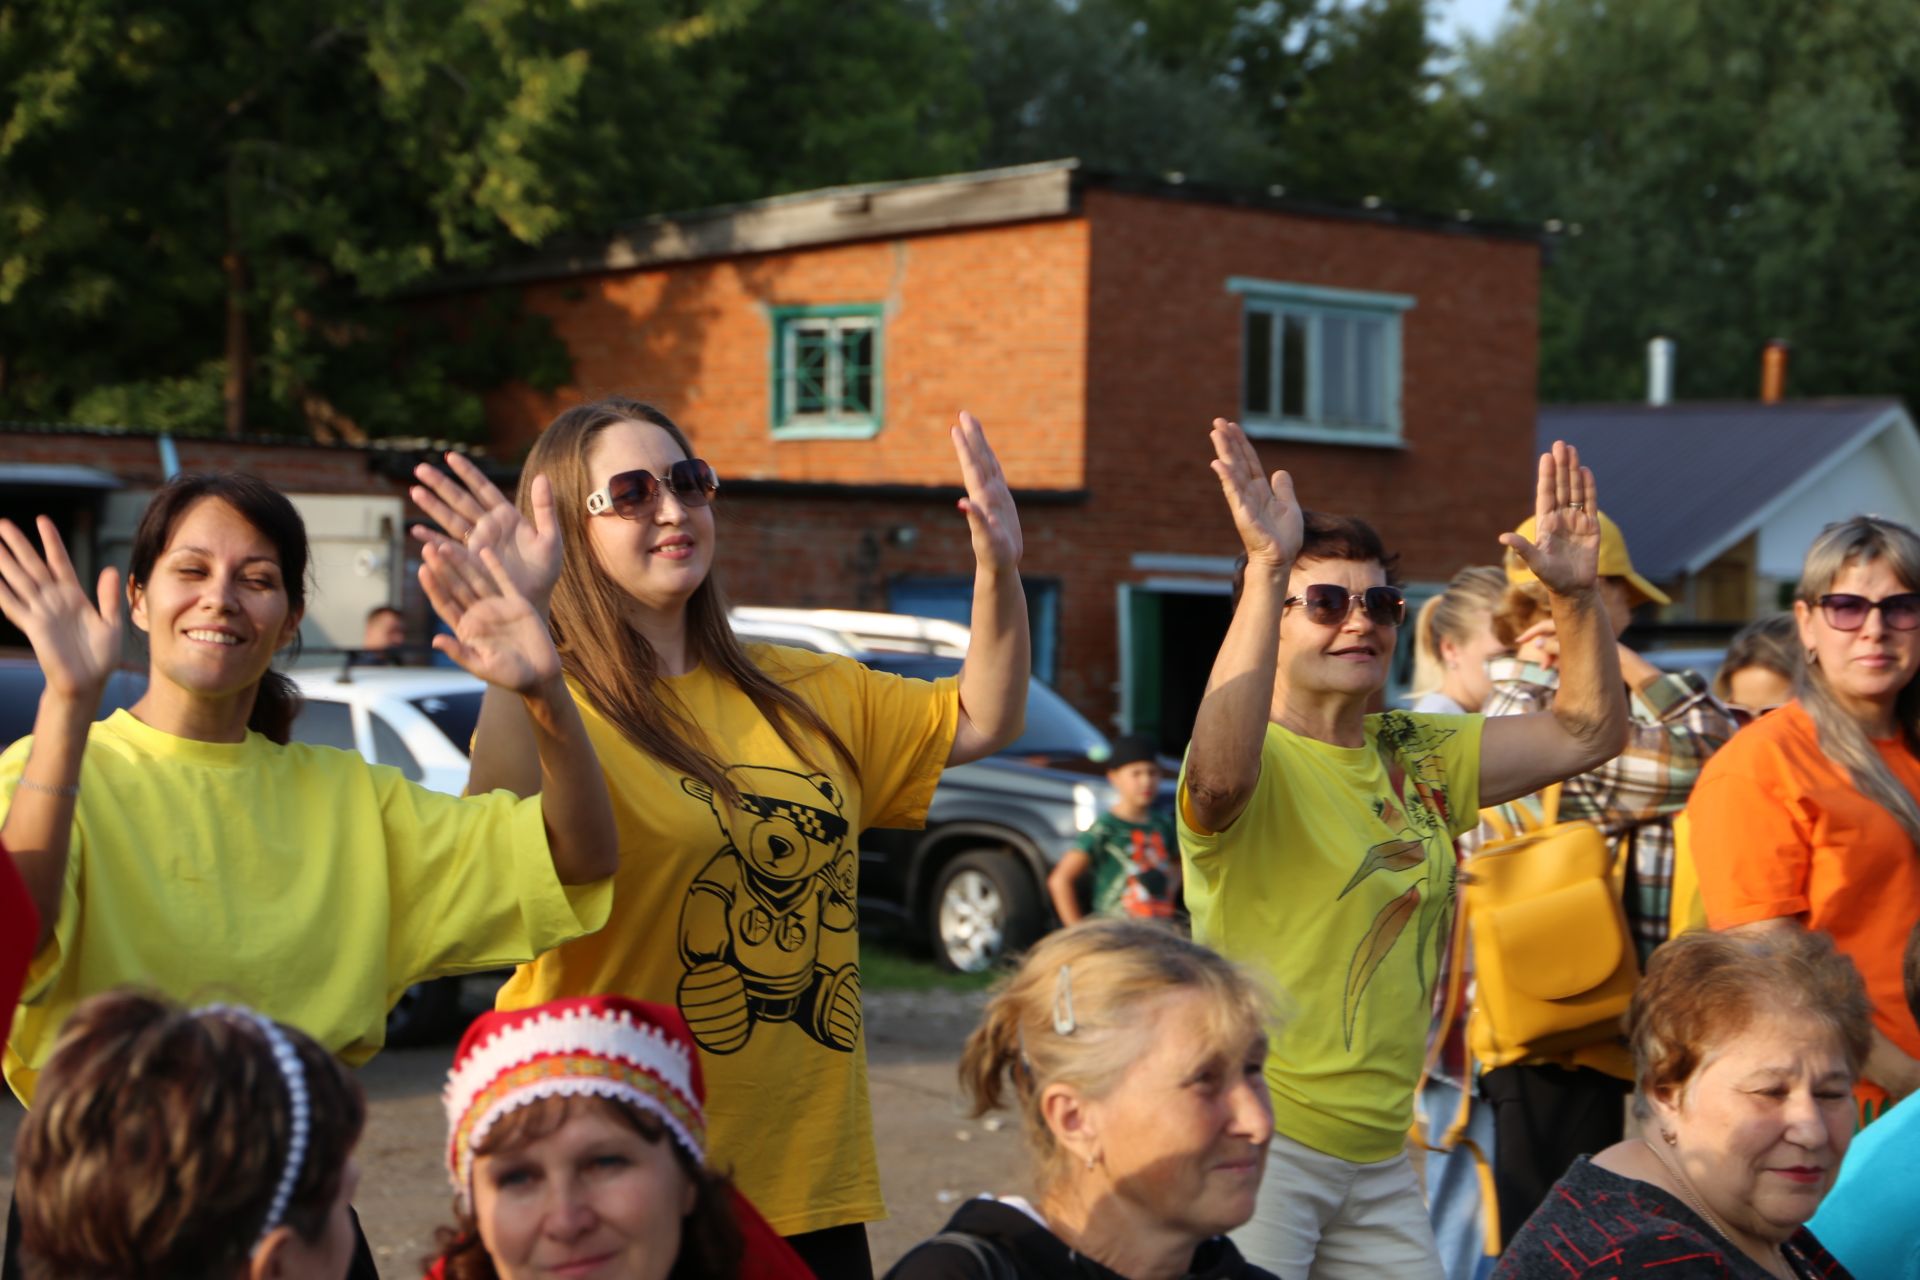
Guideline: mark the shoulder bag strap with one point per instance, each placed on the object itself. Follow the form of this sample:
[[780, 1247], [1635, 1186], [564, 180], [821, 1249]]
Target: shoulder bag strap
[[994, 1264]]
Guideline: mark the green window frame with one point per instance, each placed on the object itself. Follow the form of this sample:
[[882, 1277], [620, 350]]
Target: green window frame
[[1320, 364], [827, 372]]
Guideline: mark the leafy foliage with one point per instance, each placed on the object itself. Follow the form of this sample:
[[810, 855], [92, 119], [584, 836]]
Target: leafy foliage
[[1737, 170]]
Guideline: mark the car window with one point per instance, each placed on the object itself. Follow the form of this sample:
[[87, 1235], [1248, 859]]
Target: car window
[[22, 683], [325, 724], [1054, 728], [390, 748], [454, 714]]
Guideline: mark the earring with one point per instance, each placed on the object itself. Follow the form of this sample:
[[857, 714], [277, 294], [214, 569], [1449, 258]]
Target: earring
[[1669, 1137], [1091, 1161]]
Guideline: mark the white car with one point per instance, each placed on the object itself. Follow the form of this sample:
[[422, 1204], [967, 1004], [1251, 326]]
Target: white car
[[417, 719]]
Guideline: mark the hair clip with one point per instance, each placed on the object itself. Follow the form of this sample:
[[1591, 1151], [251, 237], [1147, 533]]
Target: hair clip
[[293, 1075], [1063, 1023]]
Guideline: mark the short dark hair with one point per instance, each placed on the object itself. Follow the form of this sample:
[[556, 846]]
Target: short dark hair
[[379, 609], [1331, 537], [158, 1136]]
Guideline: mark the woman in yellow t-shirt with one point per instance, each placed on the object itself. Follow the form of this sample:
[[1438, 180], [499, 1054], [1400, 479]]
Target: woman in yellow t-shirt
[[185, 845], [742, 777]]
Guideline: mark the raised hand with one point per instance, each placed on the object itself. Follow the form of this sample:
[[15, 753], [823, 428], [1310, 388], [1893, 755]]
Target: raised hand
[[478, 517], [1565, 551], [1263, 507], [497, 633], [989, 503], [76, 640]]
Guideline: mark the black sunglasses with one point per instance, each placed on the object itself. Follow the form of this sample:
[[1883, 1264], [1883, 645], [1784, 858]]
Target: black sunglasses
[[1328, 605], [632, 494], [1849, 612]]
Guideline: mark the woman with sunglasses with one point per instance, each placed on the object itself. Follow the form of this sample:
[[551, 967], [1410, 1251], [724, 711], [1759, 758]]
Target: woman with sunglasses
[[741, 776], [1808, 819], [1317, 838]]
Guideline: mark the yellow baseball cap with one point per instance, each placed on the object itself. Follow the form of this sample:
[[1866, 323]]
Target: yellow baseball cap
[[1614, 561]]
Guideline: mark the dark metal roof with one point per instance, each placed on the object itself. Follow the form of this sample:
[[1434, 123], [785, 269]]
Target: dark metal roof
[[1684, 481]]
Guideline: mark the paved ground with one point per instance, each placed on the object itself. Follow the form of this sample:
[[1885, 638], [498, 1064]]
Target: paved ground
[[930, 1155]]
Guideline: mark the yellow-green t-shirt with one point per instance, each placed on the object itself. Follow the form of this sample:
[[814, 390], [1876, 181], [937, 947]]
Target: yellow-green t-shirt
[[1337, 883], [744, 919], [297, 879]]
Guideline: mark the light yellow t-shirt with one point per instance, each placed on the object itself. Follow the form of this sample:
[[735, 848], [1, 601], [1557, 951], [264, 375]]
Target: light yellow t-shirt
[[297, 879], [1337, 882], [745, 920]]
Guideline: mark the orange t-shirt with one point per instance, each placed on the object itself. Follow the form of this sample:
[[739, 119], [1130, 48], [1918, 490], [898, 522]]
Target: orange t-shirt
[[1778, 829]]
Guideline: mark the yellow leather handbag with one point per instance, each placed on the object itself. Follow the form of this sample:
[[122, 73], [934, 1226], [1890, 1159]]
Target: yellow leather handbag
[[1554, 965]]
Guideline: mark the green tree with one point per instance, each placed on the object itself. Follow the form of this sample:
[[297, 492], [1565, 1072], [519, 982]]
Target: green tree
[[1728, 171], [209, 200], [828, 92], [1325, 98]]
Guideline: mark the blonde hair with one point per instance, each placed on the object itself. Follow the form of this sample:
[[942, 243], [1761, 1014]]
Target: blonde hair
[[1095, 980], [1452, 615], [1862, 540]]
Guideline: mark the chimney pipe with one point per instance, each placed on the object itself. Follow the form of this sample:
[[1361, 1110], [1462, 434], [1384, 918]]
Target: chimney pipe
[[1660, 371], [1773, 371]]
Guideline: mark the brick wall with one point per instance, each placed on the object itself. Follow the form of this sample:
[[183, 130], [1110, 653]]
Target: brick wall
[[1097, 350], [990, 319], [1165, 358]]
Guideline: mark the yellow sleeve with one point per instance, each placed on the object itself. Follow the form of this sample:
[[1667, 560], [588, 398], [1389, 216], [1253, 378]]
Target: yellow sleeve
[[472, 884], [900, 730], [46, 963]]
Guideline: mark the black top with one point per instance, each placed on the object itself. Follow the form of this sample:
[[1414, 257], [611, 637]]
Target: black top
[[1596, 1225], [1037, 1254]]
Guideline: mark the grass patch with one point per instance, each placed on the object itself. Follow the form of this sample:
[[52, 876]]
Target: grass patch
[[890, 968]]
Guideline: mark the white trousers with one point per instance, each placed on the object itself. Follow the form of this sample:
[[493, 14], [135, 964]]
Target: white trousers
[[1323, 1218]]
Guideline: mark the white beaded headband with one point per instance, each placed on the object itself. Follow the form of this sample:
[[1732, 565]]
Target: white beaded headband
[[299, 1107]]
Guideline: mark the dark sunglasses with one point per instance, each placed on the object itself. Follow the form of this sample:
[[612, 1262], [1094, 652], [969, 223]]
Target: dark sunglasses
[[632, 494], [1328, 605], [1849, 613]]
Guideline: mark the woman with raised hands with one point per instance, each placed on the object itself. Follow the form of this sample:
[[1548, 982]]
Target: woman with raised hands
[[1316, 837], [184, 844], [742, 775]]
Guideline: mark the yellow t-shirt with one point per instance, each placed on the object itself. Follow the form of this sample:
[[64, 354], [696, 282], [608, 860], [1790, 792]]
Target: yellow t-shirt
[[298, 879], [746, 920], [1337, 882]]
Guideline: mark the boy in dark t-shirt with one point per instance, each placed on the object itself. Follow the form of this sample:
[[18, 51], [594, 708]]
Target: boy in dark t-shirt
[[1130, 849]]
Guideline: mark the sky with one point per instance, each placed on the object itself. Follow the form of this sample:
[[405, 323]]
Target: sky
[[1471, 17]]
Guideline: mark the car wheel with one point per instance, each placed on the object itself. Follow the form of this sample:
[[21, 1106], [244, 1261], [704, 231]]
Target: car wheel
[[985, 907], [427, 1013]]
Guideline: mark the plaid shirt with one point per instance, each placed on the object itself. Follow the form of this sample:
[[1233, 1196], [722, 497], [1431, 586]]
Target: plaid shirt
[[1676, 725]]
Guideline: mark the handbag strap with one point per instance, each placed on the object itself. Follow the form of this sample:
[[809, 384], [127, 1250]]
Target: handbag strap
[[994, 1263]]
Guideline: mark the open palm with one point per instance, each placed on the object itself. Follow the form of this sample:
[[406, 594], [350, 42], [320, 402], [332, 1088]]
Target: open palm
[[991, 517], [1565, 550], [478, 517], [76, 640], [497, 633], [1264, 510]]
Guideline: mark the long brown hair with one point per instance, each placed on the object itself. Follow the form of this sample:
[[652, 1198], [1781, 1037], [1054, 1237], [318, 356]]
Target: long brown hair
[[1859, 541], [711, 1244], [157, 1138], [612, 661]]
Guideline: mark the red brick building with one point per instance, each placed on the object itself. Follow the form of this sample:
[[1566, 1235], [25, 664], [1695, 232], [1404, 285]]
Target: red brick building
[[817, 346]]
